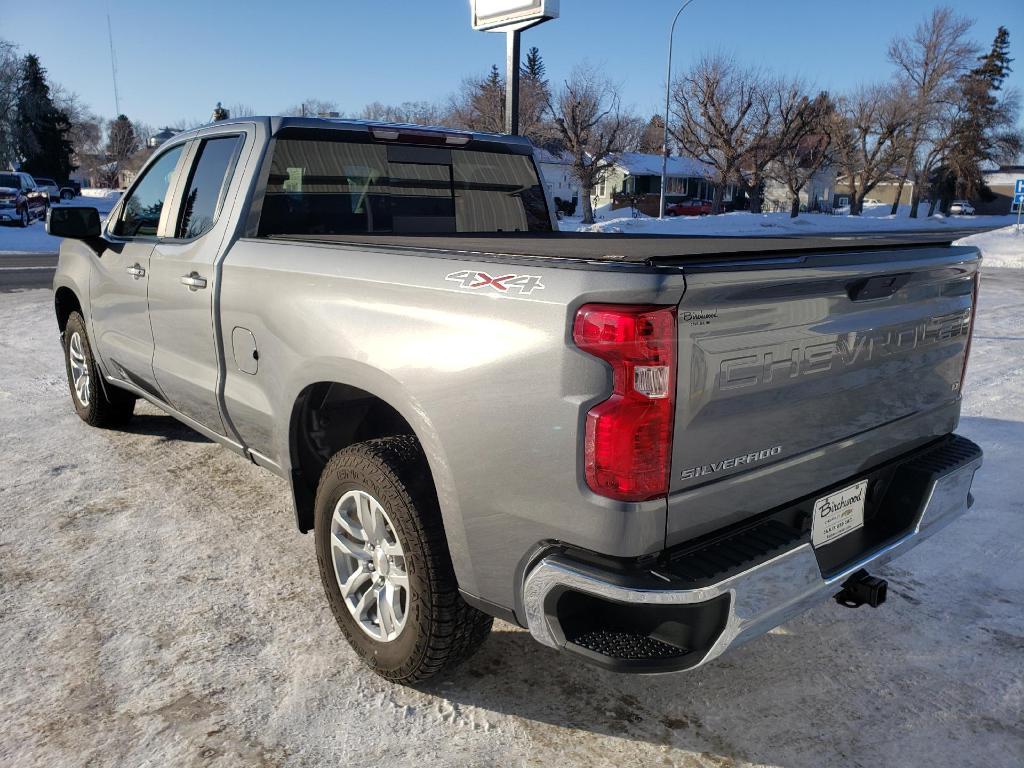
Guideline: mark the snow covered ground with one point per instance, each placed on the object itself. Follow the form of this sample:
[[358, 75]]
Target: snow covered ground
[[157, 608], [33, 238]]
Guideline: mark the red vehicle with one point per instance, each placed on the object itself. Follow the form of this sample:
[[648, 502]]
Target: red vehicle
[[689, 208]]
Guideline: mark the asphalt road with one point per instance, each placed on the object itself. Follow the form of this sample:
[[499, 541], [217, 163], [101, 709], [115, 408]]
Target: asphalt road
[[26, 270]]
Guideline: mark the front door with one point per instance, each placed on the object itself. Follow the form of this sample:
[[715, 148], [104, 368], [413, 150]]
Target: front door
[[118, 291], [182, 283]]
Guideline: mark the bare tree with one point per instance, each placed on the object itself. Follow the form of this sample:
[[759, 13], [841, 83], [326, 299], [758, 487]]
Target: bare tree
[[587, 113], [10, 77], [417, 112], [930, 63], [479, 105], [86, 134], [715, 117], [783, 118], [311, 108], [241, 109], [866, 130], [807, 148]]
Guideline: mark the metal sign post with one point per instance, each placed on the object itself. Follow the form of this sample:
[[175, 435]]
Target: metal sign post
[[511, 17]]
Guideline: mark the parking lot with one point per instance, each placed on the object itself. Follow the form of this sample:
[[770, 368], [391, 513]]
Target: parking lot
[[157, 607]]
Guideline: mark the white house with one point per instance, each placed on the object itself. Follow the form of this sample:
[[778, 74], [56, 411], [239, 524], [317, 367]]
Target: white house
[[556, 173]]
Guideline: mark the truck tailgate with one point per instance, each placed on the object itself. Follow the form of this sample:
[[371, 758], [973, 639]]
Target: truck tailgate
[[795, 374]]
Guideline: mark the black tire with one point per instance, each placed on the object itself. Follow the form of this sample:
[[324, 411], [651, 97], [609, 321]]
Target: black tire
[[105, 406], [441, 629], [26, 217], [66, 194]]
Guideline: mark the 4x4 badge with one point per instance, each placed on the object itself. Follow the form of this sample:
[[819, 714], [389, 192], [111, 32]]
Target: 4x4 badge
[[518, 284]]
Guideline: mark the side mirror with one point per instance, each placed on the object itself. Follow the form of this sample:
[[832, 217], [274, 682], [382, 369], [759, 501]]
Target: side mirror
[[78, 223]]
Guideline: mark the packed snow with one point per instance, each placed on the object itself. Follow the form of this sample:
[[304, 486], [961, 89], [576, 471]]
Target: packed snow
[[158, 608]]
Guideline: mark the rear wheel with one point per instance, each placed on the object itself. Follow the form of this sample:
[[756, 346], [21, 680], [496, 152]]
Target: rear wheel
[[384, 562], [95, 404]]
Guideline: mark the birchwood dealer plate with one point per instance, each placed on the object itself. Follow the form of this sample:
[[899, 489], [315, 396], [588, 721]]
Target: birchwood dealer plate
[[838, 514]]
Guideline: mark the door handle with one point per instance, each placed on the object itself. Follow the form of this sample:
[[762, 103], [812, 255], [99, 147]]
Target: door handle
[[135, 271], [193, 281]]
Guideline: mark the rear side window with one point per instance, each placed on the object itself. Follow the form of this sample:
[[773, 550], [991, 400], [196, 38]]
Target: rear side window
[[140, 215], [206, 186], [320, 187]]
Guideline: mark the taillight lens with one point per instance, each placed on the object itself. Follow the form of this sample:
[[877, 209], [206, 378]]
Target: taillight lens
[[628, 439], [970, 329]]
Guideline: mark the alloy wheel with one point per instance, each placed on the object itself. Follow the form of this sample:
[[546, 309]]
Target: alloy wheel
[[369, 565]]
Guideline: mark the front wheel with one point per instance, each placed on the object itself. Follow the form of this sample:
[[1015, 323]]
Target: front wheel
[[25, 219], [385, 565], [96, 406]]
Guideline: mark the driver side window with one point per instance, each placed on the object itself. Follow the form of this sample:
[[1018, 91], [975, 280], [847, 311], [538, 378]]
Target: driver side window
[[140, 214]]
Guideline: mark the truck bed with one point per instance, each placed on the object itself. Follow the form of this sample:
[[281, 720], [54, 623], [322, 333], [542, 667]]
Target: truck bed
[[638, 248]]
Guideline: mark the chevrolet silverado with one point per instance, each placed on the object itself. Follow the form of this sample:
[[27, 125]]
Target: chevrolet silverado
[[646, 450]]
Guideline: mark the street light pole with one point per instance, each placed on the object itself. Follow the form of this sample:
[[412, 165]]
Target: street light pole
[[668, 89]]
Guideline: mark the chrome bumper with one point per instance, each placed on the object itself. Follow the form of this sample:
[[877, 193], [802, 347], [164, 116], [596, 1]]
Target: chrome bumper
[[762, 597]]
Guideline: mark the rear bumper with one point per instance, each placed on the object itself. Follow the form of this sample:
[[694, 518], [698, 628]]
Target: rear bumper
[[687, 627]]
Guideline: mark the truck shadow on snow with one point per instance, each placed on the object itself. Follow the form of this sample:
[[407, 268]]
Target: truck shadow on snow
[[167, 428]]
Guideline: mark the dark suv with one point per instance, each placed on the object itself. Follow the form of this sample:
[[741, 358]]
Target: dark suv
[[21, 200]]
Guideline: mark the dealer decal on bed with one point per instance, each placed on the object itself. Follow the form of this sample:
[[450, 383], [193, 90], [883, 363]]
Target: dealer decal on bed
[[511, 284]]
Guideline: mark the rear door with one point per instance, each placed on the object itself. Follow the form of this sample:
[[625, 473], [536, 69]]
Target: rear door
[[801, 372], [183, 278], [118, 288]]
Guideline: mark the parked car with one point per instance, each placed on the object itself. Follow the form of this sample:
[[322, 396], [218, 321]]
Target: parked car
[[70, 190], [631, 445], [961, 208], [689, 208], [21, 201], [49, 186]]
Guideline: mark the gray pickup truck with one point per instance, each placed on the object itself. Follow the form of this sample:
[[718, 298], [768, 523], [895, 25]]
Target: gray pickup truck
[[646, 450]]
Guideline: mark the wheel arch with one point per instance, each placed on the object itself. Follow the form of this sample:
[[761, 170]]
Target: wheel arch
[[65, 301], [328, 415]]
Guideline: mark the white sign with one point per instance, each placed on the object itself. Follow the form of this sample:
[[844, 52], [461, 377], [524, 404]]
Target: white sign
[[498, 14], [838, 514]]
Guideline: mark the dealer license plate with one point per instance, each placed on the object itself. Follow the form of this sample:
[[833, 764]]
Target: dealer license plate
[[838, 514]]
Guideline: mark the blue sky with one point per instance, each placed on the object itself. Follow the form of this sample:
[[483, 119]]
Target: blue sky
[[177, 59]]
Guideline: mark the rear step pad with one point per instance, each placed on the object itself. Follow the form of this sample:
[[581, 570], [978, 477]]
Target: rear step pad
[[626, 645]]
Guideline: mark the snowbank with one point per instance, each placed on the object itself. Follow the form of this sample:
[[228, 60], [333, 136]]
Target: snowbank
[[1000, 247]]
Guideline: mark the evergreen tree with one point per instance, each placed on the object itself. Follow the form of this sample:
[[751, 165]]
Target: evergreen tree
[[995, 65], [42, 129], [494, 80], [985, 131], [534, 70]]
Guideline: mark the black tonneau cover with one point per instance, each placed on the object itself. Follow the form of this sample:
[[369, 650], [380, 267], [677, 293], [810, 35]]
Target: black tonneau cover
[[636, 248]]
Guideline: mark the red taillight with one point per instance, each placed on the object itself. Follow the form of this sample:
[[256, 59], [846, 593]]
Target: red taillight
[[628, 440], [970, 329]]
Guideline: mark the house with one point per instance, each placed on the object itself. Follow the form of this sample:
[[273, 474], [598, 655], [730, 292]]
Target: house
[[816, 194], [636, 177], [556, 173], [884, 192], [1000, 182], [160, 137]]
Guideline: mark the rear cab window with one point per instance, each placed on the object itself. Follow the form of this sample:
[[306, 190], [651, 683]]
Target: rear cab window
[[327, 186], [207, 185]]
